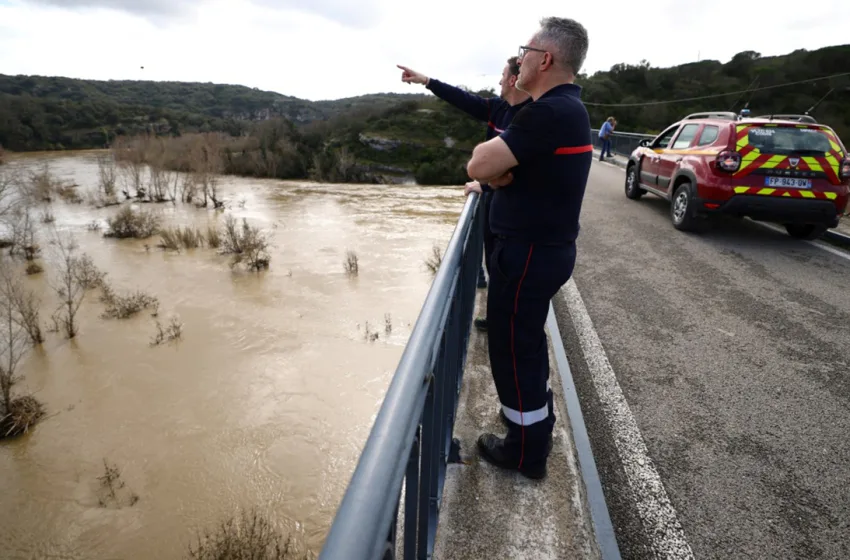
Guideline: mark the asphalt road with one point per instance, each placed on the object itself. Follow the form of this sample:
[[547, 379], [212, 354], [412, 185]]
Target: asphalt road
[[731, 348]]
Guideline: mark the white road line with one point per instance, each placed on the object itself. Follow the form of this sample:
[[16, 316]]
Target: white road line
[[657, 514], [819, 244]]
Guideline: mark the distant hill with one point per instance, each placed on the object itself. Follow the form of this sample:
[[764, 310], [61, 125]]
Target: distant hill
[[403, 135], [641, 83], [38, 112]]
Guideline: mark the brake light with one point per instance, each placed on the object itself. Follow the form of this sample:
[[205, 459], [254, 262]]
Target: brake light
[[845, 168], [728, 161]]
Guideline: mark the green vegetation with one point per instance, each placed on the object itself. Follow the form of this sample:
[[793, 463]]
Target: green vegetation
[[379, 137]]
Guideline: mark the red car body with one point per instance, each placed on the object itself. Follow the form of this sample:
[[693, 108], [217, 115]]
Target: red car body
[[784, 168]]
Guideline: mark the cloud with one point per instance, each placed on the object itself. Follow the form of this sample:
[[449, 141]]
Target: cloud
[[328, 49], [360, 14], [139, 7]]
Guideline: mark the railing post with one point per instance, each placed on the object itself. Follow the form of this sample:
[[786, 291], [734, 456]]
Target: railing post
[[411, 496], [427, 472]]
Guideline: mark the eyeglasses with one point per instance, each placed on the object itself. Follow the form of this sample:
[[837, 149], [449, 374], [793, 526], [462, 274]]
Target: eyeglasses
[[524, 49]]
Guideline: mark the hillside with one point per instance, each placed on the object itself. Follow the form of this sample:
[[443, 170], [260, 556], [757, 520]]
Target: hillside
[[397, 135], [641, 84]]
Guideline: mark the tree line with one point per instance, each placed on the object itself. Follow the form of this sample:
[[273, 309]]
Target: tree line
[[394, 137]]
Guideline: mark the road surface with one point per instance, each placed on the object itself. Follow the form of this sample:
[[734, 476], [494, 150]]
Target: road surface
[[714, 377]]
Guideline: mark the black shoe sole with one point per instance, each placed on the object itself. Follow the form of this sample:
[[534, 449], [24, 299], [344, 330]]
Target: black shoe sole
[[533, 474]]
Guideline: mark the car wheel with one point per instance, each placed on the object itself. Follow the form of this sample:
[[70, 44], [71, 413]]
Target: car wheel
[[633, 190], [680, 209], [805, 231]]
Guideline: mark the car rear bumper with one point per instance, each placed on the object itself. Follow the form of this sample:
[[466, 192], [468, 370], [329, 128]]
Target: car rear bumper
[[775, 209]]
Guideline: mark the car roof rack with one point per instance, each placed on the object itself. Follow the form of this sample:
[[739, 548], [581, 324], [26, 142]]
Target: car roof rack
[[728, 115], [799, 118]]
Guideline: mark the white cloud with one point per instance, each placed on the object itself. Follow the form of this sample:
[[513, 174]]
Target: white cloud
[[325, 49]]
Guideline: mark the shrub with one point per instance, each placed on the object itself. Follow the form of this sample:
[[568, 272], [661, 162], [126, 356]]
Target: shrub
[[34, 268], [126, 305], [435, 259], [128, 223], [247, 244]]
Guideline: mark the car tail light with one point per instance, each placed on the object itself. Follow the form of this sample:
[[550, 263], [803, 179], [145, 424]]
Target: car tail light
[[845, 168], [728, 161]]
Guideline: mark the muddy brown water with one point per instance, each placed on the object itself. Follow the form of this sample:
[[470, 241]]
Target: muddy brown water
[[265, 402]]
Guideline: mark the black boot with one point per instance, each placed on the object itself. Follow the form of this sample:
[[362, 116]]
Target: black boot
[[550, 444], [492, 450]]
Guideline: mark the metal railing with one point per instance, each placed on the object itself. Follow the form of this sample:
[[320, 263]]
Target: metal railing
[[622, 143], [411, 439]]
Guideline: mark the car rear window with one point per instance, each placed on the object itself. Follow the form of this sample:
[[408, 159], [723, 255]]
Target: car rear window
[[788, 140]]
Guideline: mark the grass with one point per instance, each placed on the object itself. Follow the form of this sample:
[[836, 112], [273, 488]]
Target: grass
[[351, 264], [249, 536], [111, 486], [174, 239], [213, 237], [174, 331], [23, 413]]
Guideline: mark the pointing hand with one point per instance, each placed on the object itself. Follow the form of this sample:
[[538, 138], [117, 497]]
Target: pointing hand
[[409, 76]]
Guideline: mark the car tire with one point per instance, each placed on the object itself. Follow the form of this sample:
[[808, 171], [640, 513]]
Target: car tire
[[633, 190], [805, 231], [681, 211]]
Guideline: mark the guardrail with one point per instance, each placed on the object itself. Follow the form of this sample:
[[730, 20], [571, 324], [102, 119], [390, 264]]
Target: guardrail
[[623, 143], [411, 439]]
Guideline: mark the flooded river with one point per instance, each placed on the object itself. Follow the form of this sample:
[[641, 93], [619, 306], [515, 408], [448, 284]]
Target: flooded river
[[267, 399]]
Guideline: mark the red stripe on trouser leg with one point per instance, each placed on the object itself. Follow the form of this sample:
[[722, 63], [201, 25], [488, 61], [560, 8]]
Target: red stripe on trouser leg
[[513, 356]]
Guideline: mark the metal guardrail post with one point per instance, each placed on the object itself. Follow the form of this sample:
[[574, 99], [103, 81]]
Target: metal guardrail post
[[411, 438]]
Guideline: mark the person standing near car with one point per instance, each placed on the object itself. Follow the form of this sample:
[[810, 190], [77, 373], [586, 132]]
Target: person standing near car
[[605, 134], [497, 112], [539, 169]]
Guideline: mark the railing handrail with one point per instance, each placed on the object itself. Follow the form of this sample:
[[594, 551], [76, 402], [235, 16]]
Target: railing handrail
[[628, 134], [365, 515]]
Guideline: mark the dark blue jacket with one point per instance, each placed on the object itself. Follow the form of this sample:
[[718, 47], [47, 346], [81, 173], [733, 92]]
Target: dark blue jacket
[[550, 138]]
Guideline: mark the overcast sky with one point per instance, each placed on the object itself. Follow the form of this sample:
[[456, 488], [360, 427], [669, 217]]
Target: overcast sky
[[328, 49]]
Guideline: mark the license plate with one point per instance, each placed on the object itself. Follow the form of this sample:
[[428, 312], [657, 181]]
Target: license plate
[[788, 182]]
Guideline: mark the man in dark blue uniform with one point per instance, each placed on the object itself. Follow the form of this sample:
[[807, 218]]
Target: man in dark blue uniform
[[497, 112], [538, 170]]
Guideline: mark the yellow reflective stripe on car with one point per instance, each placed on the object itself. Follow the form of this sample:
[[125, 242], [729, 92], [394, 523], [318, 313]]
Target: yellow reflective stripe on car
[[813, 163], [774, 161], [785, 192]]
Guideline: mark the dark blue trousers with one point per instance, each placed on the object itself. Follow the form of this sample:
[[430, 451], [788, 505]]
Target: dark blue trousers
[[524, 278], [606, 145]]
